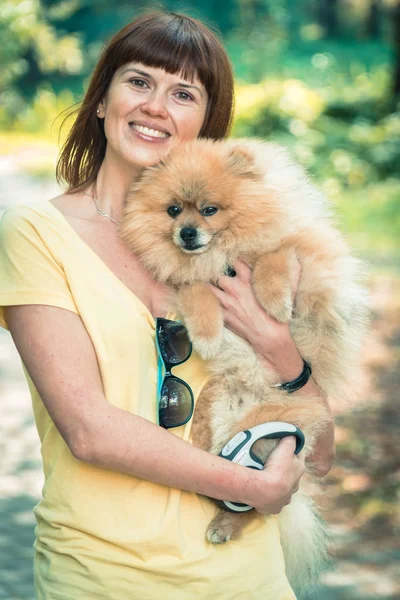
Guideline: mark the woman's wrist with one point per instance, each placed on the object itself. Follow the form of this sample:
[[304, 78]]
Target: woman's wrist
[[279, 353], [253, 486], [296, 384]]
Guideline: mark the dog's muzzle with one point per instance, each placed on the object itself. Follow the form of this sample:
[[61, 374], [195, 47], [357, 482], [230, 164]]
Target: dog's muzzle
[[189, 238]]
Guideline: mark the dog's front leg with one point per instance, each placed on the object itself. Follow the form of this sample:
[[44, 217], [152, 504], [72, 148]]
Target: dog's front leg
[[273, 276], [203, 317]]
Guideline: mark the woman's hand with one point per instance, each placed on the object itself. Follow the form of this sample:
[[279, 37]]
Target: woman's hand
[[280, 478], [245, 316], [273, 341]]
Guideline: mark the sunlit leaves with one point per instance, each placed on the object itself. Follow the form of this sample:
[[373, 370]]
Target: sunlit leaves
[[25, 29]]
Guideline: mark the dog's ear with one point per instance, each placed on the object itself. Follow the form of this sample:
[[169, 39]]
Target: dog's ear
[[241, 162]]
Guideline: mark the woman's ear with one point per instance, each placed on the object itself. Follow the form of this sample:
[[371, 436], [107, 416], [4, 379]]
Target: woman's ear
[[241, 162], [101, 110]]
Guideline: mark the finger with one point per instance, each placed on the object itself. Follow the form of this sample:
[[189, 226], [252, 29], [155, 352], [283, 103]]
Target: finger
[[219, 283], [226, 282], [218, 292], [287, 445], [283, 452], [223, 297]]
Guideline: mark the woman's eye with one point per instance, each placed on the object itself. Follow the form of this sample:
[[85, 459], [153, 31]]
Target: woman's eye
[[138, 82], [174, 211], [184, 96], [208, 211]]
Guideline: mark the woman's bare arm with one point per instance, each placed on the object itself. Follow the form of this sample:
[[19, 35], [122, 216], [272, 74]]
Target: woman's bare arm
[[59, 356], [273, 342]]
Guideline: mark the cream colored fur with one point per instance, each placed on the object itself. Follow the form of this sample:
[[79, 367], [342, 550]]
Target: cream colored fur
[[269, 212]]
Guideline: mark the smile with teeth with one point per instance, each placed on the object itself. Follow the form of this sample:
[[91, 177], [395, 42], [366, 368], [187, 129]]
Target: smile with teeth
[[149, 132]]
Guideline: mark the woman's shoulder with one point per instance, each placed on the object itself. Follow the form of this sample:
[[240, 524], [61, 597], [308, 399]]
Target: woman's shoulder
[[67, 204], [40, 214], [28, 211], [39, 220]]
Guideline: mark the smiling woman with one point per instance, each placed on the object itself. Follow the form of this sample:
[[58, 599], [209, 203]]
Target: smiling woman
[[124, 513], [187, 50], [147, 115]]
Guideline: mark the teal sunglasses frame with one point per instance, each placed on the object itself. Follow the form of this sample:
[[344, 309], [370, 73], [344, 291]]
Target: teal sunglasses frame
[[167, 332]]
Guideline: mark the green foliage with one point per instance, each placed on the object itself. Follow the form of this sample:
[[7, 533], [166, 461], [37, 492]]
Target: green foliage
[[29, 36], [43, 115], [327, 98], [343, 136]]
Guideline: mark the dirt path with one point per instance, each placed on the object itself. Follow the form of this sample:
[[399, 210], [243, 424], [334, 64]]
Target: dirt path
[[361, 497]]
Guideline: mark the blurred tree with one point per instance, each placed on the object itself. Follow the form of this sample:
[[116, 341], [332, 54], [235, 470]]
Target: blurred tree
[[32, 46], [252, 13], [328, 17], [62, 38], [54, 44], [372, 25], [224, 13], [396, 72]]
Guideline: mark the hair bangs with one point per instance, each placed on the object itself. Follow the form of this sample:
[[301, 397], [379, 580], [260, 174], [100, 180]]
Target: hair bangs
[[175, 47]]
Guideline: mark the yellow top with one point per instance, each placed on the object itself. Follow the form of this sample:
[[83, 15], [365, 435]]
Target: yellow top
[[102, 534]]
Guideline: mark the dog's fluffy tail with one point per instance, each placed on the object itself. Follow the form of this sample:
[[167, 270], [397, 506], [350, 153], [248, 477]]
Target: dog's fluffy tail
[[304, 538]]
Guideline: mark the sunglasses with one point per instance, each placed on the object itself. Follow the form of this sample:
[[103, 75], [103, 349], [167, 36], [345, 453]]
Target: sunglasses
[[176, 401]]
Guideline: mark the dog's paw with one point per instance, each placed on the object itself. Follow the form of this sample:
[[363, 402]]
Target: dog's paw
[[279, 306], [273, 282], [207, 348], [218, 535]]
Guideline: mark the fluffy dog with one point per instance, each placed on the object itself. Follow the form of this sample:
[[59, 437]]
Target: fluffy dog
[[196, 212]]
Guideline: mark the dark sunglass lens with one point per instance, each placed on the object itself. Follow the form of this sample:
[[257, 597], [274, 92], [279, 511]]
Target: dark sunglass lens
[[176, 403], [174, 341]]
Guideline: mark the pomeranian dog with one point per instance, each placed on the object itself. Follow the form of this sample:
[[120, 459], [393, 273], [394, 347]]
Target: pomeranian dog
[[190, 217]]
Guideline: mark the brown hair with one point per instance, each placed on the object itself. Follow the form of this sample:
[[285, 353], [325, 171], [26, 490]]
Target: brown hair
[[174, 42]]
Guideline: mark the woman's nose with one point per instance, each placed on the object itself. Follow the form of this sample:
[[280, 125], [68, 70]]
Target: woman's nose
[[155, 105]]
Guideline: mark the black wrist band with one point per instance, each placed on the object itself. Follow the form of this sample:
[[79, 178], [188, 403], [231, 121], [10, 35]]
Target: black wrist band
[[298, 383]]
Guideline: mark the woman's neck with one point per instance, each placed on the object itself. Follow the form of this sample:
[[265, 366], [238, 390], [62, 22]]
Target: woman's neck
[[112, 185]]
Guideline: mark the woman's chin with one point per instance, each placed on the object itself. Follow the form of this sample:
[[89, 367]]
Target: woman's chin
[[142, 160], [147, 155]]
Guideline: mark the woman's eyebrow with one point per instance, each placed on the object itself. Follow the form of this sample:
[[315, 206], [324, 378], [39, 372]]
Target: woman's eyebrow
[[144, 74], [138, 71], [187, 85]]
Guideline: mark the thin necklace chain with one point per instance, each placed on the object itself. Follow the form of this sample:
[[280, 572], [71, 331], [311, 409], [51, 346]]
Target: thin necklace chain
[[100, 211]]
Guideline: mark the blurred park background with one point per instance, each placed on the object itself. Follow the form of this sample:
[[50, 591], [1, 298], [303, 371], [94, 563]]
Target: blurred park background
[[320, 76]]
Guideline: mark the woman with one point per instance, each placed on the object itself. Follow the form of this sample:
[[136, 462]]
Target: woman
[[120, 515]]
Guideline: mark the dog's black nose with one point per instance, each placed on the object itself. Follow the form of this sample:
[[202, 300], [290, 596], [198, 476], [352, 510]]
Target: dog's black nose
[[188, 234]]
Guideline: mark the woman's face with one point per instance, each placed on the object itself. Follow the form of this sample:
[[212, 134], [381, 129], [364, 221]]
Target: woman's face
[[148, 111]]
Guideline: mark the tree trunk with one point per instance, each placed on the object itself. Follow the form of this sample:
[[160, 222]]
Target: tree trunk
[[372, 25], [328, 17]]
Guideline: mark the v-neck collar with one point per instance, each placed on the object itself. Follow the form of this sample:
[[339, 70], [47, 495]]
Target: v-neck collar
[[105, 266]]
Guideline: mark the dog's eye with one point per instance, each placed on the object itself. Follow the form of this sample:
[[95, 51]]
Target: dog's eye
[[174, 211], [208, 211]]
